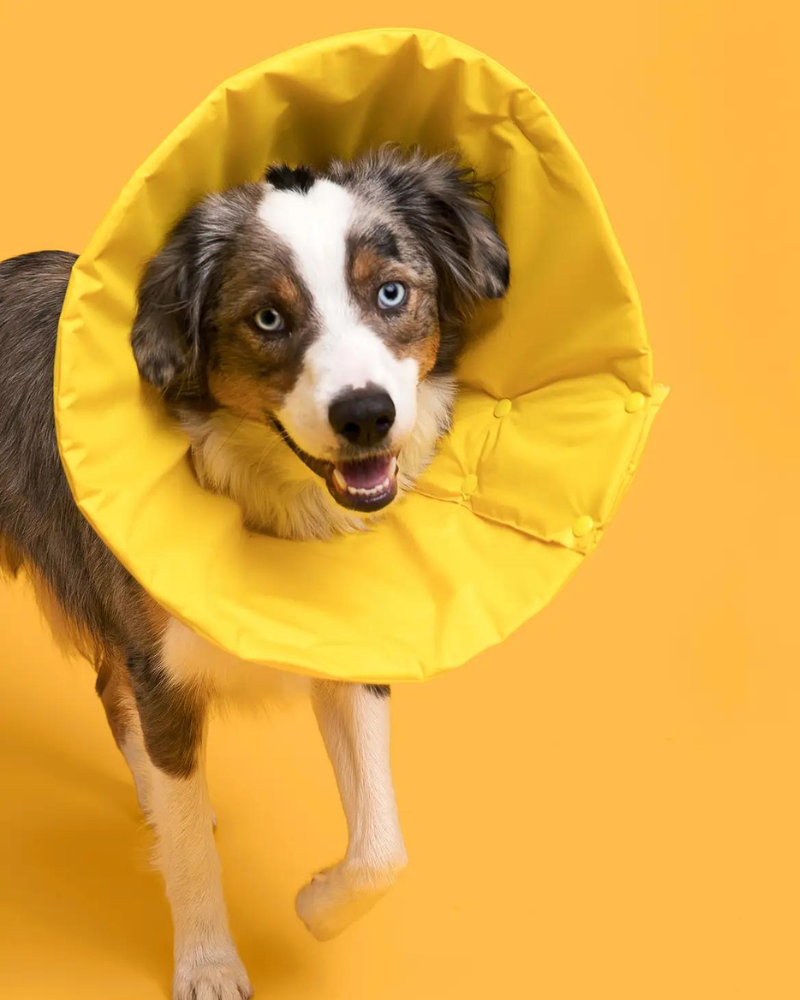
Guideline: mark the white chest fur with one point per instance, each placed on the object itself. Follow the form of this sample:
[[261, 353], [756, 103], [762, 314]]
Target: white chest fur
[[188, 658]]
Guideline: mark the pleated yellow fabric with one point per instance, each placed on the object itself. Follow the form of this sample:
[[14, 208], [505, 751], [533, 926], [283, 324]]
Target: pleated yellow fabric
[[558, 393]]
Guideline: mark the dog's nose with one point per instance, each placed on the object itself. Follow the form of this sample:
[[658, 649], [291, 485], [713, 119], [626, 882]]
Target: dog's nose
[[362, 416]]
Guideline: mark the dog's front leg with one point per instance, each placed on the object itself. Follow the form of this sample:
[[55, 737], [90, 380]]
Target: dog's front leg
[[172, 715], [354, 722]]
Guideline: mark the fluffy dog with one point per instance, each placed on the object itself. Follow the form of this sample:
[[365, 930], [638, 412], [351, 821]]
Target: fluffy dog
[[303, 331]]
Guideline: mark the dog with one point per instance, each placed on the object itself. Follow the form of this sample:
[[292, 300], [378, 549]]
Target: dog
[[304, 332]]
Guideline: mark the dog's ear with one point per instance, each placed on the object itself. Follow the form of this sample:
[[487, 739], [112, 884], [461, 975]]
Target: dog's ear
[[442, 203], [175, 296]]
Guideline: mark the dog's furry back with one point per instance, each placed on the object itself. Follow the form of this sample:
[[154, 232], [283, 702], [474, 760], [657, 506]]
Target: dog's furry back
[[41, 528]]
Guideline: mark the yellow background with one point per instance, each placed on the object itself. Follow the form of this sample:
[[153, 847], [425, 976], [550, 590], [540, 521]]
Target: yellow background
[[606, 805]]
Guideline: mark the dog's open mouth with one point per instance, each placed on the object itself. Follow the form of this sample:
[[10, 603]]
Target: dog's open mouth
[[364, 485]]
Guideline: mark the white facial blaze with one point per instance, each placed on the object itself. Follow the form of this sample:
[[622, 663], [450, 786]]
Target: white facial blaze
[[347, 353]]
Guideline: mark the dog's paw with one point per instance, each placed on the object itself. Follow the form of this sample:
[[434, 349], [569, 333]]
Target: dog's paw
[[338, 896], [211, 981]]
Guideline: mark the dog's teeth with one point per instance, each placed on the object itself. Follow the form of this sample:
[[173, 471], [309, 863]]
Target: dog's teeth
[[372, 491], [358, 491]]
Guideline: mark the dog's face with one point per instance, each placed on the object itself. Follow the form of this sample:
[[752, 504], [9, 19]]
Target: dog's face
[[320, 304]]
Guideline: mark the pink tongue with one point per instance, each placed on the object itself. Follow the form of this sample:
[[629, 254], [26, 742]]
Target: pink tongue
[[365, 475]]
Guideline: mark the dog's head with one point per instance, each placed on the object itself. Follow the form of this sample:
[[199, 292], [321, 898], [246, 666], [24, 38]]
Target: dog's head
[[321, 304]]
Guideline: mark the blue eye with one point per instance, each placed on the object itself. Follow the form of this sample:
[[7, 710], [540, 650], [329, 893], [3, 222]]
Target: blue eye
[[391, 294], [269, 320]]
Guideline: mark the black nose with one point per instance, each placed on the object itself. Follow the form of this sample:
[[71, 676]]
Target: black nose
[[362, 416]]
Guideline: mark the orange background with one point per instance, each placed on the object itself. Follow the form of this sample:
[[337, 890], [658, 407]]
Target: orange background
[[606, 805]]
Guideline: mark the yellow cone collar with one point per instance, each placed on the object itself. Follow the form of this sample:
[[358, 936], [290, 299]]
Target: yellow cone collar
[[557, 401]]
